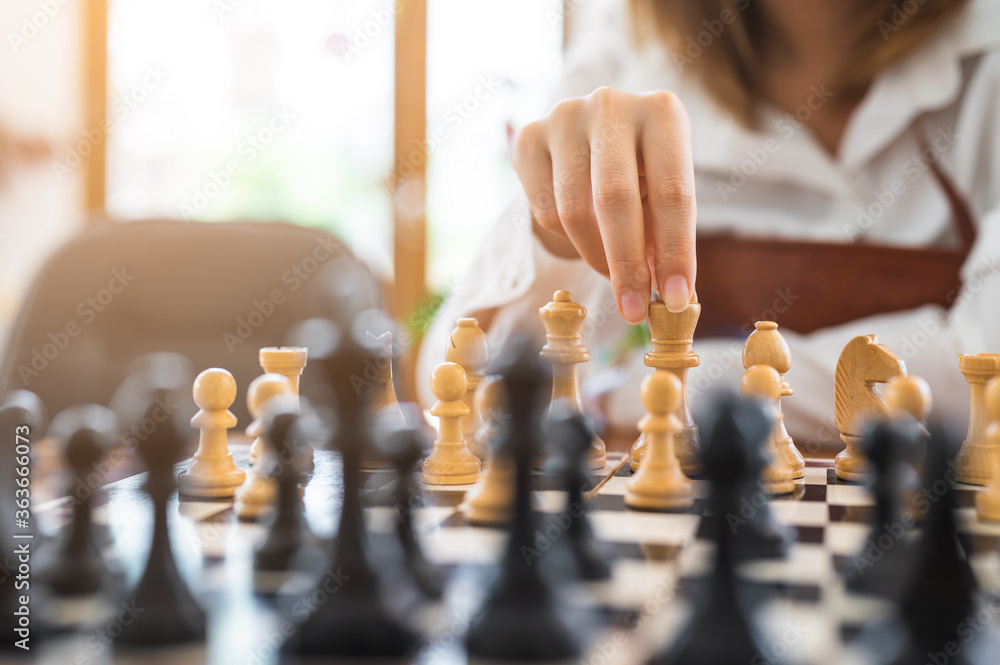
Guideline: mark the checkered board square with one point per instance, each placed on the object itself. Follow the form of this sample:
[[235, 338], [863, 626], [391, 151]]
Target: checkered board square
[[657, 558]]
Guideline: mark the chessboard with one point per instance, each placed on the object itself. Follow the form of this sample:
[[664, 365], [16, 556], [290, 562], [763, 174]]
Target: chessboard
[[657, 560]]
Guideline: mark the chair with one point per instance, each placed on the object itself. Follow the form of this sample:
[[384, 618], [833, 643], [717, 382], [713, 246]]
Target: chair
[[215, 292]]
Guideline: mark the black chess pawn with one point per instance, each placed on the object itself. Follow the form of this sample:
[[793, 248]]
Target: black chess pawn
[[404, 448], [288, 532], [720, 631], [938, 615], [884, 563], [756, 534], [572, 434], [355, 621], [520, 620], [150, 399], [76, 566], [21, 421]]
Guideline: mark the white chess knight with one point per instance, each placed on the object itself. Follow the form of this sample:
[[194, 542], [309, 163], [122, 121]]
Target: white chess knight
[[212, 473]]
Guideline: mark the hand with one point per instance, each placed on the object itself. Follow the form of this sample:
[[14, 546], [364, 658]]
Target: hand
[[609, 177]]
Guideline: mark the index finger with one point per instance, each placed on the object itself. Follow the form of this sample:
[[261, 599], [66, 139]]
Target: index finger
[[665, 143], [618, 207]]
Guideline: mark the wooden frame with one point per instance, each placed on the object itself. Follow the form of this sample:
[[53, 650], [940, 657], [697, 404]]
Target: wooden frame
[[94, 105]]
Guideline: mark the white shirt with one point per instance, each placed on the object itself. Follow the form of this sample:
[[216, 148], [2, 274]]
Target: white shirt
[[779, 182]]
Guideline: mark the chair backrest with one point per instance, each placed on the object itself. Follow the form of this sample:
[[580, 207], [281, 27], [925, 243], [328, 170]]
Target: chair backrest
[[215, 292]]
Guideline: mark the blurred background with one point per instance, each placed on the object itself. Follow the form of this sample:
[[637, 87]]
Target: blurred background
[[385, 122]]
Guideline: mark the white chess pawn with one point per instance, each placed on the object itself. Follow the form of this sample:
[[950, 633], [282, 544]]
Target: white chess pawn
[[660, 484], [988, 501], [260, 390], [763, 382], [255, 497], [450, 462], [492, 499], [212, 472], [908, 396]]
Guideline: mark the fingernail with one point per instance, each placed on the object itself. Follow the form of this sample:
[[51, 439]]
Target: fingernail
[[634, 307], [676, 295]]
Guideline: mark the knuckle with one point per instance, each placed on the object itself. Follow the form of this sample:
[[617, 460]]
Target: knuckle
[[665, 101], [671, 194], [616, 194], [674, 248], [605, 99], [573, 210], [527, 141], [566, 110], [628, 270], [547, 219]]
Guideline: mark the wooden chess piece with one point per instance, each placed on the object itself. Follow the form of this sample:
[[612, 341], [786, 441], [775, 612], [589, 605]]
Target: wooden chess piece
[[450, 462], [492, 410], [385, 405], [564, 348], [721, 629], [171, 615], [260, 390], [405, 446], [764, 383], [490, 502], [468, 347], [572, 433], [289, 361], [978, 457], [659, 484], [672, 338], [354, 624], [766, 346], [88, 432], [520, 620], [988, 501], [288, 532], [863, 363], [212, 473], [908, 397]]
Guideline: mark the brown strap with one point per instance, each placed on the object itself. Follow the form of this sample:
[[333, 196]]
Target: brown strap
[[961, 214]]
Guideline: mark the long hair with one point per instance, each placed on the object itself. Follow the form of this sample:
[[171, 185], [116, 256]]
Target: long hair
[[719, 41]]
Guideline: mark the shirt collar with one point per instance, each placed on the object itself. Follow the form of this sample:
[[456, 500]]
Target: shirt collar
[[929, 79]]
